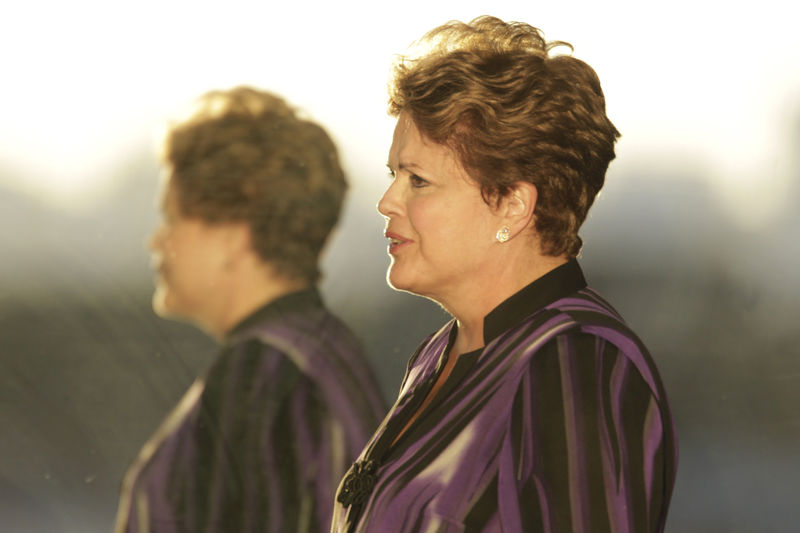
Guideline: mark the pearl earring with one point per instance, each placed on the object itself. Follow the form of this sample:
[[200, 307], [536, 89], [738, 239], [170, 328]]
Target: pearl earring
[[503, 234]]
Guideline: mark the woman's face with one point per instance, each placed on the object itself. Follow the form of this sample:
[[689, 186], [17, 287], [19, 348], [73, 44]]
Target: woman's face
[[188, 256], [440, 229]]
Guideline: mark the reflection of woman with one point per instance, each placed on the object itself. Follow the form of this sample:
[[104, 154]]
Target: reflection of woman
[[536, 408], [259, 444]]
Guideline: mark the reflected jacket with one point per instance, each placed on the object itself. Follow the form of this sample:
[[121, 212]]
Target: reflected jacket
[[259, 444]]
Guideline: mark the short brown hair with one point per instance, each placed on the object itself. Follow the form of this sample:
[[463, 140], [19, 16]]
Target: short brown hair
[[511, 112], [244, 155]]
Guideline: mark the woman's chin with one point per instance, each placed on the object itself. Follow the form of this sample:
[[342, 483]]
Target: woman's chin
[[162, 302], [398, 282], [394, 280]]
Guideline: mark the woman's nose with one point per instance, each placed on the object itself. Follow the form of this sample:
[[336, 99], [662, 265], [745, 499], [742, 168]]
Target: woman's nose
[[388, 205], [154, 241]]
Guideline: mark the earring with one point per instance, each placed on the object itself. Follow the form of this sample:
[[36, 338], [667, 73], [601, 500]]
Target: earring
[[503, 234]]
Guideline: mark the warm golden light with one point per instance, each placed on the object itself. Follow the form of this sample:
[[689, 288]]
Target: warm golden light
[[88, 84]]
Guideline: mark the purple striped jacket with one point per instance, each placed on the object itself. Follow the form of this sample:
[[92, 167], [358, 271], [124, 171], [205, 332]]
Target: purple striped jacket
[[259, 444], [559, 424]]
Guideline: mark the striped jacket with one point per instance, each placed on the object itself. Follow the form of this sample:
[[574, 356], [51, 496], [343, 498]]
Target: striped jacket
[[559, 424], [259, 444]]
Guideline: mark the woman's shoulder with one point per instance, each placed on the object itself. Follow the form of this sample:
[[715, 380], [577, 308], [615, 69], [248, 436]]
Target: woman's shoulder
[[586, 322], [587, 312]]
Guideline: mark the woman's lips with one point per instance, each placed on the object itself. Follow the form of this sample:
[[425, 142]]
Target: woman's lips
[[396, 241]]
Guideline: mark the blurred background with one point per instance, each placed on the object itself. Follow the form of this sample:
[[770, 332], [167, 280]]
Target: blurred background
[[694, 237]]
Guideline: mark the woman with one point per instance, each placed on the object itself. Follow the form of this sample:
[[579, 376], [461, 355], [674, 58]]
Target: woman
[[536, 408], [251, 193]]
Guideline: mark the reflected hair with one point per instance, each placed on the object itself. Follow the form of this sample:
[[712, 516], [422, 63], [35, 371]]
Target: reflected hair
[[245, 155], [492, 92]]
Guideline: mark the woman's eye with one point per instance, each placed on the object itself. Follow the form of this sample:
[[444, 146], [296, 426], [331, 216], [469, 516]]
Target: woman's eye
[[416, 181]]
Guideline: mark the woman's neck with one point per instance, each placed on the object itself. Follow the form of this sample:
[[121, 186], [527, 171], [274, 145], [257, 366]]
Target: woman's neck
[[250, 290], [471, 307], [468, 338]]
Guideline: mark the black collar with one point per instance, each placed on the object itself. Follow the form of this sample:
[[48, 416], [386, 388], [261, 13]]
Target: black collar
[[558, 283]]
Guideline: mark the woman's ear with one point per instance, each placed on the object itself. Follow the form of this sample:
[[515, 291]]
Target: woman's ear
[[519, 205]]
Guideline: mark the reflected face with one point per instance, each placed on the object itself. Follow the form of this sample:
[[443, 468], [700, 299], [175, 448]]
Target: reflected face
[[440, 230], [188, 256]]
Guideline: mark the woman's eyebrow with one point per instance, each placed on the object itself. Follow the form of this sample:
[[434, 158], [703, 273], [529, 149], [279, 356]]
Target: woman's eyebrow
[[404, 166]]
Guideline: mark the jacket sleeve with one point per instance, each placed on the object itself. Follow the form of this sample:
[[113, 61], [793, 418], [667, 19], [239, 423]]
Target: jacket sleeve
[[587, 441]]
